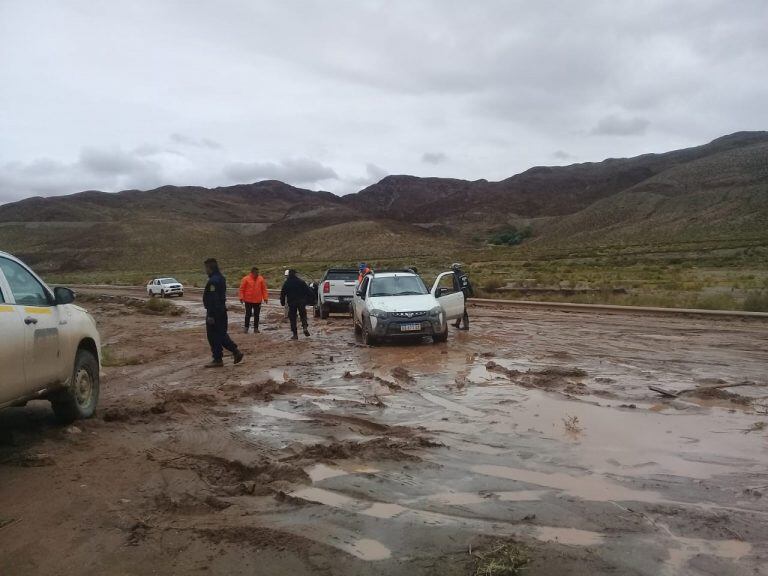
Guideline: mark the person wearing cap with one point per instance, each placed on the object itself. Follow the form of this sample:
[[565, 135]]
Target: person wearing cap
[[216, 321], [253, 293], [296, 294], [461, 282]]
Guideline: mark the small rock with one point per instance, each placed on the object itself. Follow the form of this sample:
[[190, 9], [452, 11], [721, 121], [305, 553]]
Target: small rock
[[72, 430]]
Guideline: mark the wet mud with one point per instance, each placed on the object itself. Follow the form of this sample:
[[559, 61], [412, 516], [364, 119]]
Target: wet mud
[[534, 436]]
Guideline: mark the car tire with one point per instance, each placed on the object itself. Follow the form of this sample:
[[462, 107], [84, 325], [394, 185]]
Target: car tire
[[317, 311], [79, 400], [368, 338], [442, 337], [324, 313]]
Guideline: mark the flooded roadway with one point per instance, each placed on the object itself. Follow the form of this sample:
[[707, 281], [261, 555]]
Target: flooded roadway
[[326, 456]]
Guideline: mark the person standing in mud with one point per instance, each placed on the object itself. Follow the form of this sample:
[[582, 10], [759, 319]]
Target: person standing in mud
[[253, 293], [295, 294], [216, 320], [461, 282]]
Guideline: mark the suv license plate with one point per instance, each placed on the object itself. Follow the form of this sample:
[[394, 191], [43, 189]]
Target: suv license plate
[[410, 327]]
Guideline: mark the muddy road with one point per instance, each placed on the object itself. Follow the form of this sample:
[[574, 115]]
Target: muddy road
[[536, 430]]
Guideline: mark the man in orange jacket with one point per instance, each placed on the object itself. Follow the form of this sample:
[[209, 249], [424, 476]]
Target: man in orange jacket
[[253, 293]]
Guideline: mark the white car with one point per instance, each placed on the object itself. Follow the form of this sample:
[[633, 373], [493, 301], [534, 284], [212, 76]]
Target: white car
[[165, 287], [49, 347], [392, 304]]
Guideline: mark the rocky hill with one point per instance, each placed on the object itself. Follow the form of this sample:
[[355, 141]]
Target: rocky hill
[[718, 190]]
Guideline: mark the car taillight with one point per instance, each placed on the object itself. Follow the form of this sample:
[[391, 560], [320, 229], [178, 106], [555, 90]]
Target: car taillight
[[326, 287]]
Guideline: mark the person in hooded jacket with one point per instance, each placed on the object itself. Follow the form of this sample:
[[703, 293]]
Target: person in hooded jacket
[[296, 294], [253, 293], [216, 320], [461, 282]]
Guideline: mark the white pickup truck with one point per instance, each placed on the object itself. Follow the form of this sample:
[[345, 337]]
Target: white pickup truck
[[164, 287], [392, 304], [335, 291], [49, 347]]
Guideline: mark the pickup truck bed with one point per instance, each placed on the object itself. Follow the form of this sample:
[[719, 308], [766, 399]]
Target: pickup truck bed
[[335, 291]]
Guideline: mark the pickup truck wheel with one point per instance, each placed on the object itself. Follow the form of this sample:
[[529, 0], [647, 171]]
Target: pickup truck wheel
[[368, 338], [324, 312], [317, 311], [80, 398]]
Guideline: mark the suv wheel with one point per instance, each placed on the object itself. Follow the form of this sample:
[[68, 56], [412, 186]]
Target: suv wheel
[[80, 398], [324, 312], [442, 337], [368, 338]]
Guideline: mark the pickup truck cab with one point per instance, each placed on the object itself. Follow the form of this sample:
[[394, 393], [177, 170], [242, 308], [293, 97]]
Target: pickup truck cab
[[335, 291], [392, 304], [165, 287], [49, 347]]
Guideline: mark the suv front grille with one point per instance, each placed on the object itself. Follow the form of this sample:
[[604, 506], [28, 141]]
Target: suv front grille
[[408, 315]]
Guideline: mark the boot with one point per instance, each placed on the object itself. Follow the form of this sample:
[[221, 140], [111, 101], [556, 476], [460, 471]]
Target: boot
[[295, 336], [306, 332], [238, 356], [245, 330], [214, 364]]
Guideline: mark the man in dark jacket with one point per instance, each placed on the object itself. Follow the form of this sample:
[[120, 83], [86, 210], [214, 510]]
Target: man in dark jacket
[[461, 282], [216, 321], [296, 294]]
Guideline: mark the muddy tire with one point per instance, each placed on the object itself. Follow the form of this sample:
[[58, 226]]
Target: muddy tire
[[368, 338], [324, 313], [317, 312], [79, 400], [442, 337]]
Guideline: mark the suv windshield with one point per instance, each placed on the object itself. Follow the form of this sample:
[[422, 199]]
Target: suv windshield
[[168, 281], [348, 275], [397, 286]]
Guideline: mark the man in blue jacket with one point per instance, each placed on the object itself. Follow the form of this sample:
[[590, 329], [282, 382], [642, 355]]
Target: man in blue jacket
[[216, 320]]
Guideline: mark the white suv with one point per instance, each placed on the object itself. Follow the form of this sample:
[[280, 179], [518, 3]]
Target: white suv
[[391, 304], [49, 347], [165, 287]]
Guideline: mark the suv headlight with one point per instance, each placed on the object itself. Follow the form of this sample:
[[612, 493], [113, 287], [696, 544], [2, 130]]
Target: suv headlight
[[435, 312], [379, 313]]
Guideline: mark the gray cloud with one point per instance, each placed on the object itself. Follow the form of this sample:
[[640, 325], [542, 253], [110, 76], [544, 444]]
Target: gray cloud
[[562, 155], [434, 157], [185, 140], [613, 125], [502, 85], [293, 171]]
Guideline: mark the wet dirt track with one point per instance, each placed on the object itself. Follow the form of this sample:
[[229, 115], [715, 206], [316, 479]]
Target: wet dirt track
[[327, 457]]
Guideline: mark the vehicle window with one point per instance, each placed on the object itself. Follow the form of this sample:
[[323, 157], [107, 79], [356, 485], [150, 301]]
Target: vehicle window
[[2, 298], [348, 276], [168, 281], [447, 284], [397, 286], [24, 287]]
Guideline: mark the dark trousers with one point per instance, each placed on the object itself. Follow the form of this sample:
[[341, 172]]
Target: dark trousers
[[254, 310], [218, 338], [465, 317], [301, 310]]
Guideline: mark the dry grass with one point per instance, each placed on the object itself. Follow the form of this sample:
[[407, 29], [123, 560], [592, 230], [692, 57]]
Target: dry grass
[[508, 559]]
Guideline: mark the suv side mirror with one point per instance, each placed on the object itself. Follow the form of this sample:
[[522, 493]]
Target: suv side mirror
[[63, 295]]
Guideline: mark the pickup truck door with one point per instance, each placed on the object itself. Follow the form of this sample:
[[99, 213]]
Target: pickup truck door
[[41, 319], [450, 299], [12, 381]]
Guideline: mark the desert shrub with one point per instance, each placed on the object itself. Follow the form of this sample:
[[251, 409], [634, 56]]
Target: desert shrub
[[756, 302], [510, 236], [491, 285]]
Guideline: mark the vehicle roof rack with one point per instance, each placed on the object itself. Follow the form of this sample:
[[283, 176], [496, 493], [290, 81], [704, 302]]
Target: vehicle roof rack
[[394, 271]]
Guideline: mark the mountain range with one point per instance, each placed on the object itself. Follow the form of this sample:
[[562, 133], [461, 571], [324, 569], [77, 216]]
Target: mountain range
[[715, 191]]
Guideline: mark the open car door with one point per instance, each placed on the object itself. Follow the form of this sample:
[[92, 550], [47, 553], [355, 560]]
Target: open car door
[[450, 299]]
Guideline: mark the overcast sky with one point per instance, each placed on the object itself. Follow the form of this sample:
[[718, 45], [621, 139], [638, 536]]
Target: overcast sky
[[336, 94]]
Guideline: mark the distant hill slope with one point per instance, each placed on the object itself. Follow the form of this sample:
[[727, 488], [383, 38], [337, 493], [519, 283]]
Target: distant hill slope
[[538, 192], [265, 201], [718, 190]]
